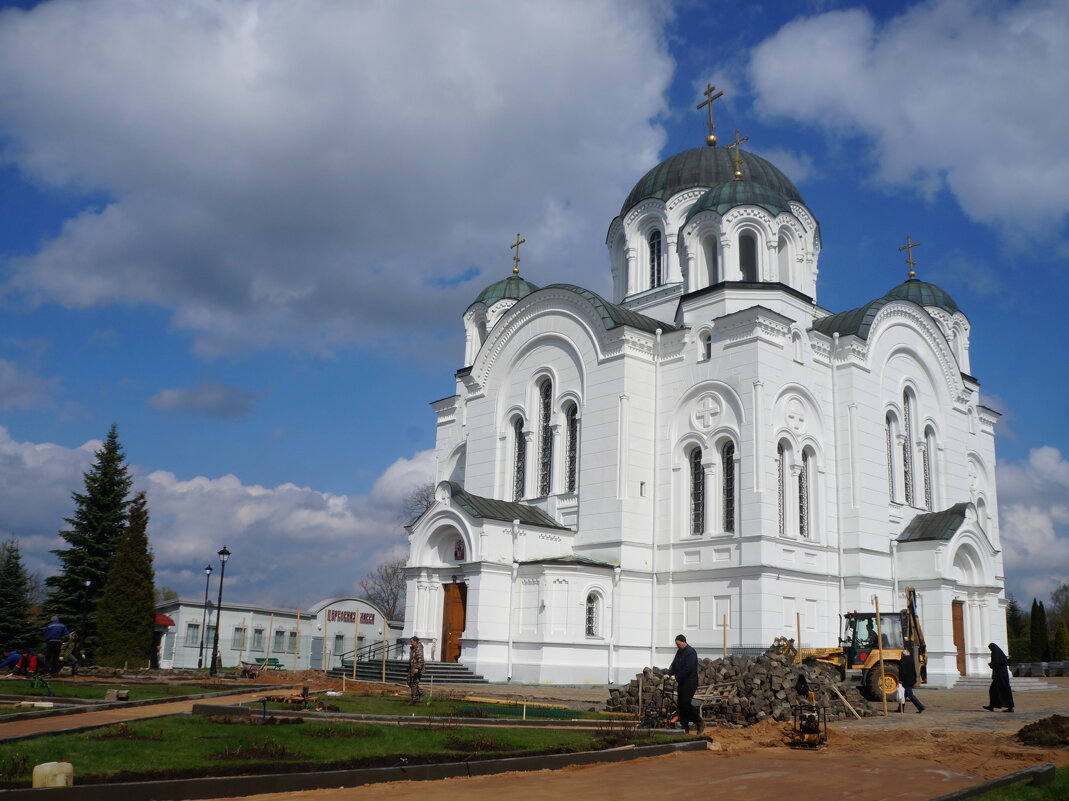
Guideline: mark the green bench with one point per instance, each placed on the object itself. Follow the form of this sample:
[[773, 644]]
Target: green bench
[[271, 663]]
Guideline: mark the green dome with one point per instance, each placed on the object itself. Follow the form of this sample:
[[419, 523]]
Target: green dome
[[924, 294], [728, 195], [511, 288], [708, 167]]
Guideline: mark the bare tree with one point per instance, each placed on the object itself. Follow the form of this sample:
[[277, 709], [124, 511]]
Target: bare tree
[[417, 502], [385, 587]]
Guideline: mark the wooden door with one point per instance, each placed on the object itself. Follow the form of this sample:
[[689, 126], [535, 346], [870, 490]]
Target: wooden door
[[958, 618], [456, 599]]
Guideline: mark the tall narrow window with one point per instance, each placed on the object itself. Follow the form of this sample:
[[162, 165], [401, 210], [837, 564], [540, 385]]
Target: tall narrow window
[[929, 468], [907, 447], [727, 470], [697, 492], [545, 449], [593, 615], [707, 346], [781, 487], [748, 257], [656, 269], [519, 465], [803, 496], [890, 425], [572, 417]]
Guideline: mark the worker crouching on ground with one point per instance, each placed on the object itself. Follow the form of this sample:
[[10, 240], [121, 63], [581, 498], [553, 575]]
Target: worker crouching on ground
[[685, 669]]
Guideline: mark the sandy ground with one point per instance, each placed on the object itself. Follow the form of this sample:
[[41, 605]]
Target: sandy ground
[[953, 745]]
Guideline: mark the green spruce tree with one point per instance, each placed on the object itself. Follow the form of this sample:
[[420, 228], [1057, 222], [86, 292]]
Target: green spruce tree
[[17, 628], [1017, 632], [1040, 646], [98, 523], [127, 610], [1060, 651]]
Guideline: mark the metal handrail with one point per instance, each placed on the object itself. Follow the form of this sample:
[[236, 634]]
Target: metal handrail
[[373, 652]]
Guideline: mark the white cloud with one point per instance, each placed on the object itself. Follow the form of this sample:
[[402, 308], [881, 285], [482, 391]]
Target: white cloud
[[280, 172], [23, 389], [208, 398], [952, 93], [1034, 522], [291, 545]]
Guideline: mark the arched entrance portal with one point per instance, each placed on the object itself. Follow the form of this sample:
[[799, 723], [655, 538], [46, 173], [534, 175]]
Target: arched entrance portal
[[453, 619]]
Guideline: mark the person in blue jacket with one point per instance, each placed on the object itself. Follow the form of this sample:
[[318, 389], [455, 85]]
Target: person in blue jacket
[[685, 670], [11, 658], [55, 632]]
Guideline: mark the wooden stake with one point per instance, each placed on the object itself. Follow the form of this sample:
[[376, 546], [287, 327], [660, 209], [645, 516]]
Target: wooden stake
[[843, 699], [725, 636], [879, 648], [297, 644]]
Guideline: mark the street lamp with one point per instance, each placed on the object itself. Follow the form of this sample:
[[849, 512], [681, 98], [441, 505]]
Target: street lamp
[[224, 554], [204, 617]]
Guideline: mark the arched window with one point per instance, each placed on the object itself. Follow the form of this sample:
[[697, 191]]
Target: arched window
[[890, 433], [710, 252], [929, 468], [907, 447], [803, 496], [656, 269], [697, 493], [571, 415], [519, 463], [545, 438], [707, 346], [727, 470], [593, 615], [783, 256], [748, 257], [781, 487]]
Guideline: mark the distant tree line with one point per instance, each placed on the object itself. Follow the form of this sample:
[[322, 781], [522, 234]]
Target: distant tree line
[[1037, 636], [104, 589]]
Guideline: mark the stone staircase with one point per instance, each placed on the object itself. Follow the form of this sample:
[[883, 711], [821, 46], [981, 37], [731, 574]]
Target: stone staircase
[[397, 672], [1018, 684]]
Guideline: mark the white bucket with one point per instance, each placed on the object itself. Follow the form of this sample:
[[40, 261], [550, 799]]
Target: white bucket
[[53, 774]]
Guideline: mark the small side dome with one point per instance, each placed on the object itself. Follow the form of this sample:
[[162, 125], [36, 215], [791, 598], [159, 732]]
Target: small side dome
[[511, 288], [924, 294], [727, 196]]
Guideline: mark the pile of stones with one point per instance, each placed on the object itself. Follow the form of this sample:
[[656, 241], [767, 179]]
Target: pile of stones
[[757, 688]]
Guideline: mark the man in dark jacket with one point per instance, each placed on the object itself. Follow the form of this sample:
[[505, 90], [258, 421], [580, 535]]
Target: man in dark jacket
[[685, 669], [907, 674], [55, 632]]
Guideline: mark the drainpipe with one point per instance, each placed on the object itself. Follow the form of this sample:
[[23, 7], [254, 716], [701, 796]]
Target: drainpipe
[[653, 500], [615, 621], [894, 570], [512, 590], [838, 474]]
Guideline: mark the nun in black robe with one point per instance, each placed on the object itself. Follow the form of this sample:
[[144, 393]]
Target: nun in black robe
[[1000, 695]]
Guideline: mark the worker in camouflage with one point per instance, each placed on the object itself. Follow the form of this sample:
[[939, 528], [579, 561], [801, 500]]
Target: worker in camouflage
[[415, 668]]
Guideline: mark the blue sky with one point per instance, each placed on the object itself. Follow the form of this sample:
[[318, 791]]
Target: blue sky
[[246, 232]]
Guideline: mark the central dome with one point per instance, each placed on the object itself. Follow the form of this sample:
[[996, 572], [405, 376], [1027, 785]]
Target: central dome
[[707, 166]]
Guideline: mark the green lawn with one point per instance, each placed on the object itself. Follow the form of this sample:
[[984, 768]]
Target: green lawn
[[193, 746], [71, 689], [1057, 790], [367, 704]]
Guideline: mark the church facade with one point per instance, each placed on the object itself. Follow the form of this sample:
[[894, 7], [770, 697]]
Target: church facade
[[710, 453]]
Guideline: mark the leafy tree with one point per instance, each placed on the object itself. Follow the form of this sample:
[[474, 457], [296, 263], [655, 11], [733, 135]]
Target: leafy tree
[[1060, 652], [165, 594], [17, 629], [1059, 606], [98, 522], [385, 587], [1040, 646], [127, 610]]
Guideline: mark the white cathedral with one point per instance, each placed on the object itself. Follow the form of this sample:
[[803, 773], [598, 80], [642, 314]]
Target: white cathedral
[[710, 453]]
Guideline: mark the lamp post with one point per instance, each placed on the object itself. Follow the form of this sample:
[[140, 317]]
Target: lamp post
[[204, 617], [224, 554]]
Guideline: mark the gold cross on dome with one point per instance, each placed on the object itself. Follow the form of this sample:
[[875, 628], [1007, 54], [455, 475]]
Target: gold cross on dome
[[908, 247], [738, 153], [516, 257], [709, 98]]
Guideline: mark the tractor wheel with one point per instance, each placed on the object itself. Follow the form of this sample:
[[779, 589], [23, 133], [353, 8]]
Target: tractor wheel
[[890, 683]]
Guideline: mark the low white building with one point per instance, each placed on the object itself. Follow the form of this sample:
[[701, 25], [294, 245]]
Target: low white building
[[318, 638], [710, 453]]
